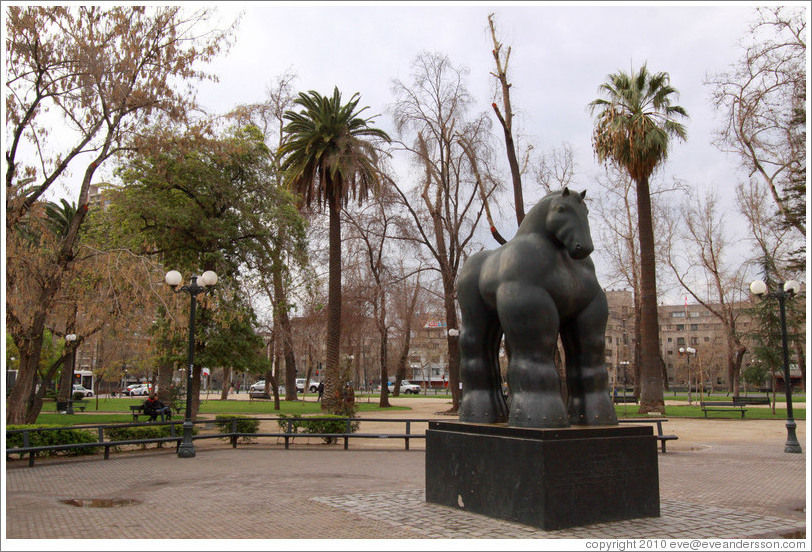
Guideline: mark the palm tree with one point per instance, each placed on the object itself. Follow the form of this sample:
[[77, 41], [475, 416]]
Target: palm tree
[[632, 129], [328, 155]]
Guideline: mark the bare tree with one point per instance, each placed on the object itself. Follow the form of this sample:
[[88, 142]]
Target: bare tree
[[761, 97], [556, 169], [432, 112], [699, 264]]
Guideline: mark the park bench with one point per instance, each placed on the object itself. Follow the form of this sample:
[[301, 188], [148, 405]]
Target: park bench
[[627, 399], [752, 400], [138, 410], [78, 404], [722, 406], [659, 421]]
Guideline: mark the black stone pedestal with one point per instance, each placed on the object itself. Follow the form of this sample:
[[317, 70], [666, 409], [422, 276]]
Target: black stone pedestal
[[547, 478]]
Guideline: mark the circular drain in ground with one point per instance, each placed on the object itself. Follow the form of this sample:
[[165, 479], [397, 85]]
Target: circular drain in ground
[[100, 502]]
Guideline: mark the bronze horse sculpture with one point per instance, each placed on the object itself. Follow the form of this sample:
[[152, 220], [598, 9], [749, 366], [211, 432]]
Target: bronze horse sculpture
[[537, 285]]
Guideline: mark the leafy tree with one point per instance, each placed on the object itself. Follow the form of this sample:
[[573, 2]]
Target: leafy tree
[[766, 335], [328, 155], [105, 72], [633, 128], [203, 203]]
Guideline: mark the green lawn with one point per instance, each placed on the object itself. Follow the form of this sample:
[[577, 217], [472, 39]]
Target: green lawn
[[117, 410], [685, 411]]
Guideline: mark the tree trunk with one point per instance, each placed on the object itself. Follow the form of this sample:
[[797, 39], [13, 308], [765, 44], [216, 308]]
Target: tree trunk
[[331, 400], [196, 373], [384, 346], [637, 340], [651, 376], [799, 352], [19, 401], [226, 383], [453, 344], [284, 334], [165, 372]]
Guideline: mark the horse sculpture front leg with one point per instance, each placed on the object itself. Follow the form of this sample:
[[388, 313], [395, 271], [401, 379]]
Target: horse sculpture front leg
[[530, 321]]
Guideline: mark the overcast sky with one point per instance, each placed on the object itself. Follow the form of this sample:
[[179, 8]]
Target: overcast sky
[[561, 53]]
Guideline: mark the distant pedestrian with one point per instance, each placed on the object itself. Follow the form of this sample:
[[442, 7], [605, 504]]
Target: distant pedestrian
[[321, 390]]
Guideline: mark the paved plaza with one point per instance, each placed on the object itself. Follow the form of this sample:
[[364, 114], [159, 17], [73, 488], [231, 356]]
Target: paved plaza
[[721, 479]]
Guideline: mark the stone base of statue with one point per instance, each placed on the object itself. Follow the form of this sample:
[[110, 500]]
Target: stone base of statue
[[547, 478]]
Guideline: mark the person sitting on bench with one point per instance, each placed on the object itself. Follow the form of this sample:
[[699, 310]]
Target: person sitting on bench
[[154, 408]]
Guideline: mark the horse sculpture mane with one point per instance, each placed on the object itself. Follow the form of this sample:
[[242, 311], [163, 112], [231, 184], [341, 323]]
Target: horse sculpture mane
[[531, 289]]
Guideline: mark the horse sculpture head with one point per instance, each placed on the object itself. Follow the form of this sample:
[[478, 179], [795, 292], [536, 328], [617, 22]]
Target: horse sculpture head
[[566, 221]]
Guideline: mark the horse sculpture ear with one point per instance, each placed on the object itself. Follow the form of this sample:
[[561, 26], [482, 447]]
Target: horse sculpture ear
[[583, 194], [566, 192]]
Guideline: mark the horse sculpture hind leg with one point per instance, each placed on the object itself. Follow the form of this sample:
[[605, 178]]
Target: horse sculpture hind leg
[[530, 322], [587, 380], [482, 401]]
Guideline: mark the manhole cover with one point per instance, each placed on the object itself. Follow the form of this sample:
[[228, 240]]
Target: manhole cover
[[100, 502]]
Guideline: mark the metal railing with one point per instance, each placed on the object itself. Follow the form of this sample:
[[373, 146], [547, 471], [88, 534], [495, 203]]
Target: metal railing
[[233, 435], [288, 435]]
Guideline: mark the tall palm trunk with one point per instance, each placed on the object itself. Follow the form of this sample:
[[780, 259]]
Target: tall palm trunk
[[651, 376], [331, 401]]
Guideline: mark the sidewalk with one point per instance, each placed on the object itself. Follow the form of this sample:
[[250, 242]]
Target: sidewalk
[[722, 478]]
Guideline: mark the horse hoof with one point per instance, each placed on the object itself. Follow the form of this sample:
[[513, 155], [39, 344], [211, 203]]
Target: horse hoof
[[535, 411]]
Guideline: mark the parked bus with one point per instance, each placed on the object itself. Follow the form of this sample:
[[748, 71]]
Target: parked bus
[[85, 378]]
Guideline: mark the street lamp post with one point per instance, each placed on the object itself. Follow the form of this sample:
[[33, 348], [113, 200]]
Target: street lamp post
[[688, 351], [785, 289], [70, 338], [174, 279]]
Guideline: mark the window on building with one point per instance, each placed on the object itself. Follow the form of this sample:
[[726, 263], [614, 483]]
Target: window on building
[[680, 327], [669, 352], [707, 339], [694, 341], [680, 341], [678, 314], [694, 327], [670, 340]]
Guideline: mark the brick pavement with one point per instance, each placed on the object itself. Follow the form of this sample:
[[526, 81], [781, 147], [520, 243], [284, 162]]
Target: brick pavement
[[734, 486]]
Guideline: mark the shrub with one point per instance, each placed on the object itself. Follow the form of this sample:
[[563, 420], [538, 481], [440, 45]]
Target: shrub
[[61, 436], [143, 432], [323, 424], [244, 425]]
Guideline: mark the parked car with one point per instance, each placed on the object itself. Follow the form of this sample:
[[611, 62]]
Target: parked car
[[312, 387], [126, 390], [406, 388], [79, 389], [141, 390], [258, 386]]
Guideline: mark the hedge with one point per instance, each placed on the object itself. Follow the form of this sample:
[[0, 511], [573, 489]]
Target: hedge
[[323, 424], [144, 432], [244, 425], [61, 436]]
